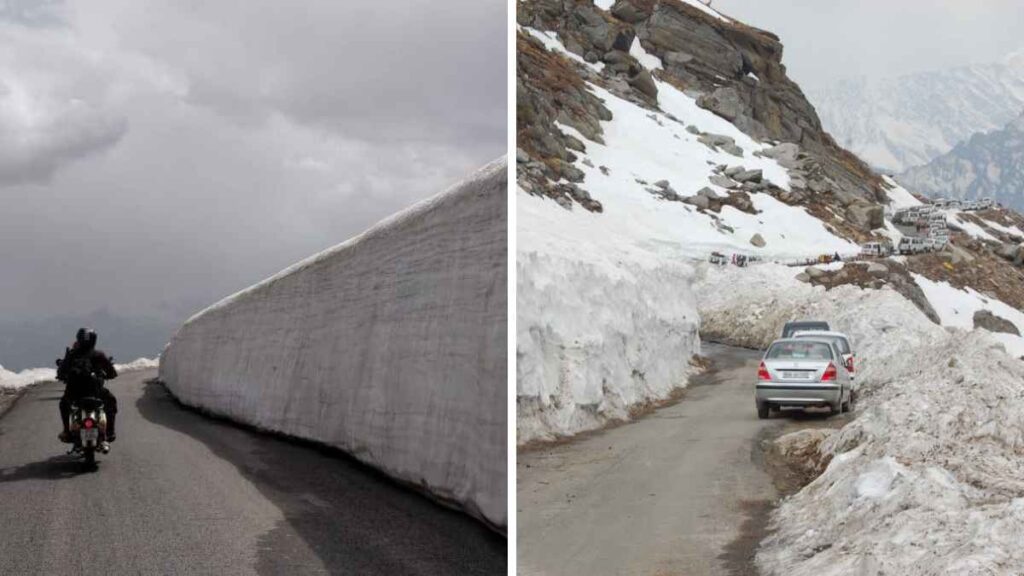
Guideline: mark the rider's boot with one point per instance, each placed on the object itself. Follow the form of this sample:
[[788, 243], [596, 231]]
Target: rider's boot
[[111, 436]]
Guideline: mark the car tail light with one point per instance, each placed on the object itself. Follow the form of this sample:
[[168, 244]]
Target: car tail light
[[88, 423], [830, 373], [762, 373], [849, 364]]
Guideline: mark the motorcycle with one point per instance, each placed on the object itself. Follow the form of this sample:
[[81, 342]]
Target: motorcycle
[[88, 429], [88, 426]]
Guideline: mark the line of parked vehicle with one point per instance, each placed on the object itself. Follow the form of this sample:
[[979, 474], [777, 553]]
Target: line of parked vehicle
[[808, 366]]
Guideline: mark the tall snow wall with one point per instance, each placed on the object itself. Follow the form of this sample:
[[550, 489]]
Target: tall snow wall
[[390, 346]]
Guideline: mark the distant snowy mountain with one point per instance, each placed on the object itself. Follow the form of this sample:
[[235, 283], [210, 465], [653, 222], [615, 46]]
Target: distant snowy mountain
[[897, 123], [986, 165]]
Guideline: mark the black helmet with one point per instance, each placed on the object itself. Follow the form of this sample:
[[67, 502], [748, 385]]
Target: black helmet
[[86, 338]]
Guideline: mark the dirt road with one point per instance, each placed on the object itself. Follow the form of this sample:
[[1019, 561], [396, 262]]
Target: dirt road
[[676, 492]]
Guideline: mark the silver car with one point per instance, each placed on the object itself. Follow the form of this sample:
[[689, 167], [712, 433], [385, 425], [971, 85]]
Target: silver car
[[842, 341], [802, 372]]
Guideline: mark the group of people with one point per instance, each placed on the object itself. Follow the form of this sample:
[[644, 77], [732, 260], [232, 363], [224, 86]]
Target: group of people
[[84, 369]]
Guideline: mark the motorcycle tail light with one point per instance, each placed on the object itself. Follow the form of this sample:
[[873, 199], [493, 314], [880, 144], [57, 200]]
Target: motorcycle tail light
[[88, 424]]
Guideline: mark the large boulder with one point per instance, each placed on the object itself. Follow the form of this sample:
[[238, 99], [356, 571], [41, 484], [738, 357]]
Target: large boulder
[[878, 270], [865, 215], [724, 102], [723, 181], [989, 321], [628, 12], [749, 176], [644, 83]]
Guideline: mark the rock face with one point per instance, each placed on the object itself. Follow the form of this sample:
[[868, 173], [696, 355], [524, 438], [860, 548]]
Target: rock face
[[984, 166], [732, 69], [992, 323], [391, 346]]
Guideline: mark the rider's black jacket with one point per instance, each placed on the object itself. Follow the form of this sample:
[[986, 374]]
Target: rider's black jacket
[[101, 364]]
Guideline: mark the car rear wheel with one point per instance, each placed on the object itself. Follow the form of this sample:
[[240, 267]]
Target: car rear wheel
[[763, 411]]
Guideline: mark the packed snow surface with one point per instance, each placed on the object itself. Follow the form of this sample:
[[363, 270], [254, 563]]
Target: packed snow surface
[[391, 346], [646, 59], [1011, 230], [928, 478], [970, 228], [956, 307], [899, 197]]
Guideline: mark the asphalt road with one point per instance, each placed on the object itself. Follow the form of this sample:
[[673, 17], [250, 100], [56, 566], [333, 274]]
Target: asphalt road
[[679, 491], [181, 493]]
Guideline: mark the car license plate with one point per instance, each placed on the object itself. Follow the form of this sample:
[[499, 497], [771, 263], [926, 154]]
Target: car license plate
[[796, 375], [90, 435]]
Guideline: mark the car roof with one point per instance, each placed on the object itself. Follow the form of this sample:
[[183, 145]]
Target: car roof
[[791, 339], [821, 333]]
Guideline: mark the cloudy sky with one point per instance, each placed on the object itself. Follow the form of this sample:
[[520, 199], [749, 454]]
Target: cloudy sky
[[157, 155], [830, 39]]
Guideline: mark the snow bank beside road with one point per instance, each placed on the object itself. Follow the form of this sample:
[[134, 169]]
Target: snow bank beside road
[[595, 342], [391, 346], [928, 478], [15, 380], [138, 364]]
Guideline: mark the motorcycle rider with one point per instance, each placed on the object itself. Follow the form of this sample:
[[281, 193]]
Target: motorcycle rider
[[83, 370]]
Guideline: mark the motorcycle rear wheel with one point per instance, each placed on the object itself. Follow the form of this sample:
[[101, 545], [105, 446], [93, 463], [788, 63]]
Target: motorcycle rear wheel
[[90, 458]]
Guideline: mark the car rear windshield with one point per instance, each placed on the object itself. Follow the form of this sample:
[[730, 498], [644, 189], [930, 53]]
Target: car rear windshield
[[841, 343], [800, 351], [803, 326]]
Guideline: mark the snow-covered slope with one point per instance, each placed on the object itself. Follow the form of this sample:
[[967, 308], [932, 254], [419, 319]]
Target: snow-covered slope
[[957, 308], [898, 123], [391, 346]]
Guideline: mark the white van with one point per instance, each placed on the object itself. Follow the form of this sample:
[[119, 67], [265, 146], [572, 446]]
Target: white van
[[913, 245], [875, 249]]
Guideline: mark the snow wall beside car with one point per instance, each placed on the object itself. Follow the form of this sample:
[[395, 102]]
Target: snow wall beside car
[[391, 346], [597, 341]]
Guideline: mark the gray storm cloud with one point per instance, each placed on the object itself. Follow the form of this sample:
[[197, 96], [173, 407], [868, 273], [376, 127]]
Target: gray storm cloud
[[156, 156]]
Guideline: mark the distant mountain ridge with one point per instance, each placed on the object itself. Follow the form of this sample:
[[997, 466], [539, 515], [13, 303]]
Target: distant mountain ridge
[[36, 344], [897, 123], [985, 165]]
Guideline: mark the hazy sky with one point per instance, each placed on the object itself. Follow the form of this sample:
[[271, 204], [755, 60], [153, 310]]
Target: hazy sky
[[157, 155], [830, 39]]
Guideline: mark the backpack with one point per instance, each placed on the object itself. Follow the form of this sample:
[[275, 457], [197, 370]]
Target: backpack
[[80, 373]]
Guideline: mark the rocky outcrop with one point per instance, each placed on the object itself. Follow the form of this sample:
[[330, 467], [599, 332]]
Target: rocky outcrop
[[733, 70], [989, 321]]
